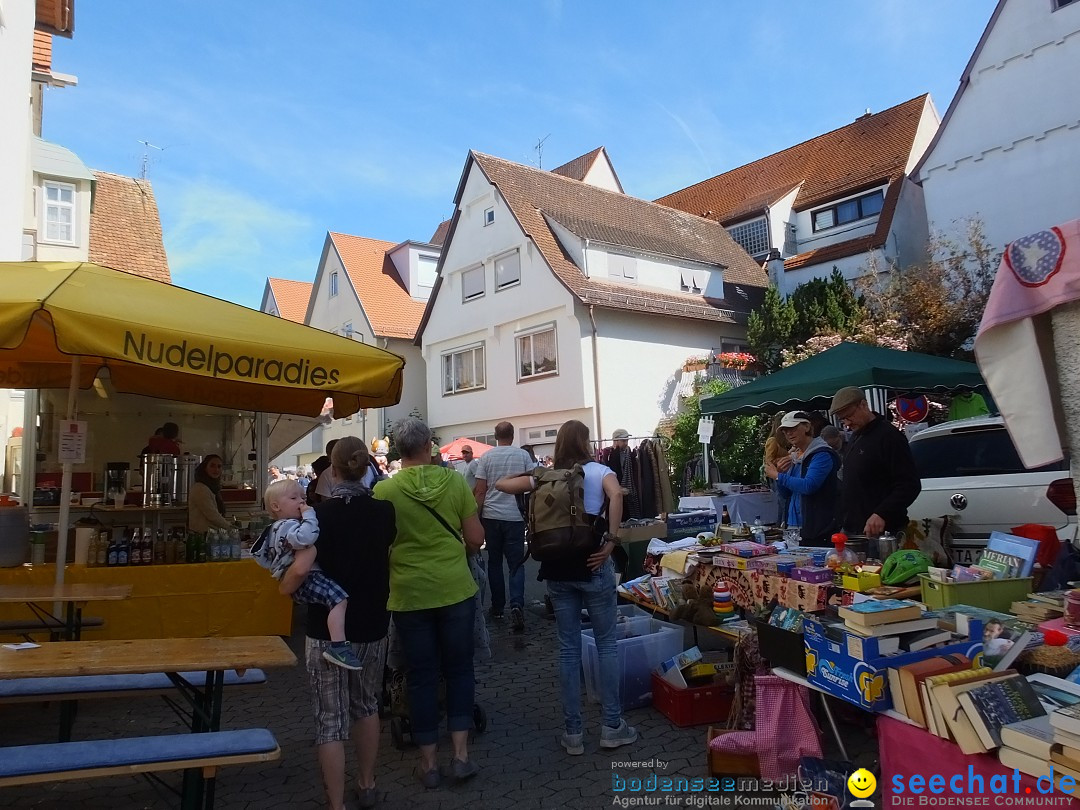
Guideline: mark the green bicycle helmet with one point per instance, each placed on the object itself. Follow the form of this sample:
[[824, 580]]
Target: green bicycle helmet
[[904, 565]]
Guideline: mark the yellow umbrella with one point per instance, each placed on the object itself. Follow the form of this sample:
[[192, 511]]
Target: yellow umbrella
[[164, 341], [61, 323]]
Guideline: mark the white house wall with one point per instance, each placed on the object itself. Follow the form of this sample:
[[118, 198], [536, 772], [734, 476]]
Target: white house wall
[[655, 273], [16, 50], [414, 383], [1008, 153], [496, 319], [851, 267], [910, 233], [600, 174], [637, 356]]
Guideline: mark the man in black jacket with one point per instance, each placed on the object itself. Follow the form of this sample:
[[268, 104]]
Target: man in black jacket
[[879, 480]]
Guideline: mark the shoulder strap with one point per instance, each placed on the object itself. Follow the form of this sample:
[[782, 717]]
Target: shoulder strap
[[442, 520]]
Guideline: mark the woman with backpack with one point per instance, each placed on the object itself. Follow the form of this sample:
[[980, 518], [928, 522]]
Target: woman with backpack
[[585, 580]]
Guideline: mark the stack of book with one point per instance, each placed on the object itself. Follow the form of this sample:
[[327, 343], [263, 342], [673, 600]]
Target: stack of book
[[1029, 744], [1040, 607], [897, 624], [1065, 753]]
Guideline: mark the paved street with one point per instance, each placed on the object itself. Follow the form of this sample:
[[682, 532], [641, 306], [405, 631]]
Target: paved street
[[522, 764]]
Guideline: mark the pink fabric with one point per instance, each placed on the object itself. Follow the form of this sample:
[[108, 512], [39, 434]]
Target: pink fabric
[[785, 729], [907, 751], [1038, 272]]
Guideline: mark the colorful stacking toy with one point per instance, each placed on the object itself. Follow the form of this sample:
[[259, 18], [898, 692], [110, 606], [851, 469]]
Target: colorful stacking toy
[[722, 605]]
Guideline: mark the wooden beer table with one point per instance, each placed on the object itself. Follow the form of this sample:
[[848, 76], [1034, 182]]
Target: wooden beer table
[[169, 655], [73, 595]]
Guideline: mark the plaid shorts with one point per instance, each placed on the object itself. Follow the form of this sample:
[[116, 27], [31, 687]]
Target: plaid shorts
[[340, 697], [318, 589]]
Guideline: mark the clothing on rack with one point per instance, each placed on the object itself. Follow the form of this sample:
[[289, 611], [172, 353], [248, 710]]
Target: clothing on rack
[[643, 471]]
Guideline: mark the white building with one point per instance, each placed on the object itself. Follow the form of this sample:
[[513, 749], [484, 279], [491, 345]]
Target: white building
[[1008, 150], [843, 199], [372, 291], [558, 299]]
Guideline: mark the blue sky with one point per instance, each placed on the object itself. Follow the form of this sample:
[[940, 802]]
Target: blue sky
[[281, 121]]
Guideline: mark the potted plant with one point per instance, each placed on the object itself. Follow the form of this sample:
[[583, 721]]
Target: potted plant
[[696, 363], [698, 486]]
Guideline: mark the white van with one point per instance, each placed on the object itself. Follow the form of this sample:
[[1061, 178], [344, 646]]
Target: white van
[[972, 473]]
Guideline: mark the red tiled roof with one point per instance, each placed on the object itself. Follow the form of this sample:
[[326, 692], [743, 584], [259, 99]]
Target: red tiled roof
[[440, 233], [870, 150], [125, 229], [291, 298], [390, 309], [577, 168], [41, 61], [535, 195]]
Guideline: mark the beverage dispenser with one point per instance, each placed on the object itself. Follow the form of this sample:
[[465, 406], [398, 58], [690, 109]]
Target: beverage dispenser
[[116, 482], [185, 476], [159, 479]]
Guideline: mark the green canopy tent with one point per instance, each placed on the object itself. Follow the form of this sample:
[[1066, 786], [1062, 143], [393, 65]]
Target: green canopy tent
[[811, 383]]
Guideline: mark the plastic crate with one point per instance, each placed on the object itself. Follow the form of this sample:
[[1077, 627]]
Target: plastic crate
[[642, 644], [694, 705], [992, 594]]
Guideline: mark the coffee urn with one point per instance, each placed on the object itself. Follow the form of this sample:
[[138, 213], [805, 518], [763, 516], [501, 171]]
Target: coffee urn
[[159, 479], [185, 476]]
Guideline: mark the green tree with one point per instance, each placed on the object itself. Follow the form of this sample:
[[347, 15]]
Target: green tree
[[820, 306], [736, 445]]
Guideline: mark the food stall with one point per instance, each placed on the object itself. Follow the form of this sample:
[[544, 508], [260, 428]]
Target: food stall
[[105, 358]]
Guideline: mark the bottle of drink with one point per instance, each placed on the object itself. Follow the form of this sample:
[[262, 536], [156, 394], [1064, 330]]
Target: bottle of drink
[[202, 547], [112, 556], [213, 545], [123, 551], [104, 541], [234, 544], [725, 518], [159, 547], [758, 530]]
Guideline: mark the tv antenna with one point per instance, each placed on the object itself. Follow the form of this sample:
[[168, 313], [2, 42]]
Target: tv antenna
[[147, 146], [539, 149]]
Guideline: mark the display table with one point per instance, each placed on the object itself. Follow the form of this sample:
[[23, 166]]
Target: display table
[[72, 595], [742, 507], [172, 601], [908, 750]]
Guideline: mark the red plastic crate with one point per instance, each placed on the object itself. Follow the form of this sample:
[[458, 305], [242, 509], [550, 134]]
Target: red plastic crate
[[695, 705]]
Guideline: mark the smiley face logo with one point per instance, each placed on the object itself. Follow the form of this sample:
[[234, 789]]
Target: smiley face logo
[[861, 783]]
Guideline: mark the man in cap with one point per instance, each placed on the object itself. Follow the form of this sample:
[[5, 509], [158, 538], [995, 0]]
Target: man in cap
[[620, 444], [468, 466], [879, 480]]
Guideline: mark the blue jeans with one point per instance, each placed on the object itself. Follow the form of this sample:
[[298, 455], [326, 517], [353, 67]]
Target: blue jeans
[[438, 641], [597, 596], [505, 538]]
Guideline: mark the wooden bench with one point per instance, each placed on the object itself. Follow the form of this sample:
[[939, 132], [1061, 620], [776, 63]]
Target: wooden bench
[[206, 752], [24, 627]]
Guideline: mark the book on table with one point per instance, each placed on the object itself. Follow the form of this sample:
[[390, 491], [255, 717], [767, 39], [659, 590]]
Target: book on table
[[905, 681], [893, 628], [1064, 764], [1067, 719], [1034, 737], [944, 698], [922, 639], [880, 611], [999, 703], [1004, 566], [1025, 762]]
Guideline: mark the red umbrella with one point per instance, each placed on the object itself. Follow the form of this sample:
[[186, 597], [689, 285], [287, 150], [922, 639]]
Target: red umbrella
[[452, 451]]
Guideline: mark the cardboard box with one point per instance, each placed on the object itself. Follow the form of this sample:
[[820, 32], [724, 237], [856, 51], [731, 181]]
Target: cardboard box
[[690, 524], [671, 669], [861, 581], [643, 531], [853, 669], [740, 563], [812, 573]]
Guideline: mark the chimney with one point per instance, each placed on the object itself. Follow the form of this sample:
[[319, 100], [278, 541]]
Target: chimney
[[774, 267]]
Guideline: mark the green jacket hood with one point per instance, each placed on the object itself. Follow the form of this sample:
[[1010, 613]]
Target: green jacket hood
[[426, 483]]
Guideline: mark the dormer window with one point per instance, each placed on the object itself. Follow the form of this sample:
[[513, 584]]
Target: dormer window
[[752, 236], [852, 210], [425, 270], [622, 268], [59, 213]]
